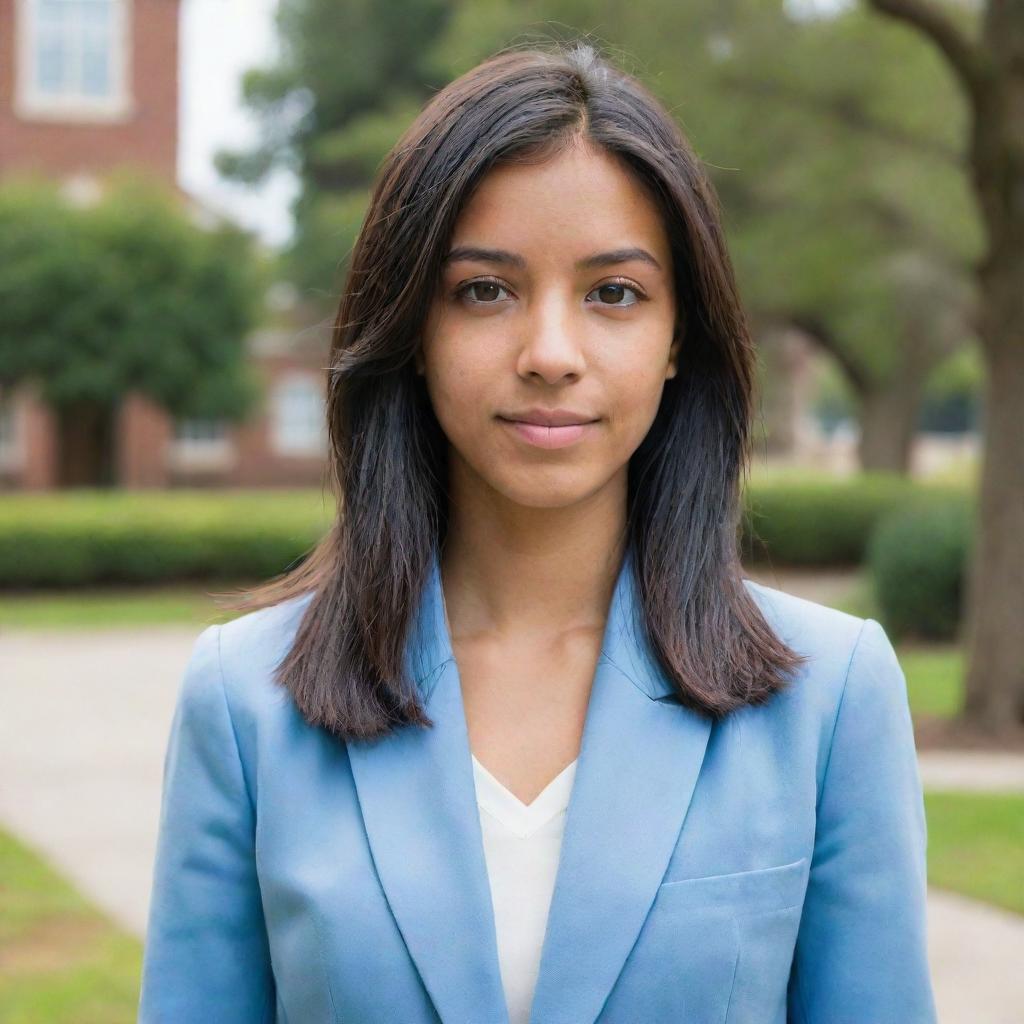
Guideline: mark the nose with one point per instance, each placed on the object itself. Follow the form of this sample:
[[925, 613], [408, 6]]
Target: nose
[[553, 338]]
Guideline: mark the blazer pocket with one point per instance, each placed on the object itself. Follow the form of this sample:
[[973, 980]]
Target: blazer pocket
[[741, 892]]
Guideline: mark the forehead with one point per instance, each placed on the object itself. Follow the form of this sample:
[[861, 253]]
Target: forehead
[[580, 199]]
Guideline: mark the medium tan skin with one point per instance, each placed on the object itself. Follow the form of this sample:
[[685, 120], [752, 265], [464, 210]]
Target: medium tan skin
[[534, 542]]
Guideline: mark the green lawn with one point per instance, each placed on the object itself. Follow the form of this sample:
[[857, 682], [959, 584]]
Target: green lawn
[[934, 678], [61, 962], [976, 845], [94, 607]]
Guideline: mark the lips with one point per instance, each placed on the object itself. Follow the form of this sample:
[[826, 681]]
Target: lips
[[540, 435], [549, 417]]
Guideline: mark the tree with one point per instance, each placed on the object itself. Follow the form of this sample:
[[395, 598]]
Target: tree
[[989, 70], [827, 221], [834, 147], [123, 295], [331, 114]]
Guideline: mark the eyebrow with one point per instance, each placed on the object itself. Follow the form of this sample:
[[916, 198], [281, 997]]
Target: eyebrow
[[511, 259]]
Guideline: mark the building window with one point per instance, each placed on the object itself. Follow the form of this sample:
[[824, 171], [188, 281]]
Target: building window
[[73, 58], [199, 432], [298, 423], [201, 444]]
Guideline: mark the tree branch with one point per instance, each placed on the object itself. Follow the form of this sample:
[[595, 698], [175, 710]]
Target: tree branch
[[820, 333], [965, 58]]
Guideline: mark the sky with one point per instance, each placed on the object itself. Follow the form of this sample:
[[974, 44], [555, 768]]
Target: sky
[[220, 39]]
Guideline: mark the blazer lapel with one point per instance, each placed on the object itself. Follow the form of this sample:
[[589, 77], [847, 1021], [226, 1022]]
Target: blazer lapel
[[637, 769], [418, 800], [638, 765]]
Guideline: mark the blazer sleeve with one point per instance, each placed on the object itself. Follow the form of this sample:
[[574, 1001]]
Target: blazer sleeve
[[861, 951], [206, 954]]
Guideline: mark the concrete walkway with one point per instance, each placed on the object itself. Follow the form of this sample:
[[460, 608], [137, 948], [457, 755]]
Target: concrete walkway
[[83, 729], [972, 769]]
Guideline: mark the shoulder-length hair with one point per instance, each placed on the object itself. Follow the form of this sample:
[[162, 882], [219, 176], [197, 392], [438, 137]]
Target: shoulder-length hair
[[388, 455]]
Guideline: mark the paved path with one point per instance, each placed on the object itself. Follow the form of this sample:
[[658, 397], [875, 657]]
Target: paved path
[[83, 730], [972, 769]]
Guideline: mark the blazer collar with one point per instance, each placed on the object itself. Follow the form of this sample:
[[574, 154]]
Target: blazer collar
[[638, 765]]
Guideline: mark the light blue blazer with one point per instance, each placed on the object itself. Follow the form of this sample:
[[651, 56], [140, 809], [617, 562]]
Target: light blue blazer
[[764, 870]]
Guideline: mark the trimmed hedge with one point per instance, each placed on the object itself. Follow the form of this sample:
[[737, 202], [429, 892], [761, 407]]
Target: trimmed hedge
[[824, 522], [918, 558], [154, 537], [89, 537]]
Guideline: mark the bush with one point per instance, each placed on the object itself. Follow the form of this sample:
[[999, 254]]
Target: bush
[[822, 522], [89, 537], [111, 537], [918, 560]]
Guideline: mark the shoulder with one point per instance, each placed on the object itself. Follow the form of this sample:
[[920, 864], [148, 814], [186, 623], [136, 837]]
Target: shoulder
[[805, 625], [842, 650], [256, 641], [233, 663], [850, 693]]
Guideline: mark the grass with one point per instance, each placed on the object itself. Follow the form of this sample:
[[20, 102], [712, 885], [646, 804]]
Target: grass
[[934, 678], [61, 961], [976, 845], [92, 607]]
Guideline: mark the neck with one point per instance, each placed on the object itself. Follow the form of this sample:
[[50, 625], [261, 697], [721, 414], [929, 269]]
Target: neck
[[526, 573]]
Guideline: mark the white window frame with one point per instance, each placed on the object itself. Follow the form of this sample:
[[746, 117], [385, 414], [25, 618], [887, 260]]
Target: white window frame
[[198, 451], [32, 105], [282, 441]]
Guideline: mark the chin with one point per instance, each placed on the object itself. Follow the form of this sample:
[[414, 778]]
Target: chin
[[549, 493]]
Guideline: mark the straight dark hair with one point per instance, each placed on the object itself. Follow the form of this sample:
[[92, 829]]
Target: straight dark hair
[[388, 456]]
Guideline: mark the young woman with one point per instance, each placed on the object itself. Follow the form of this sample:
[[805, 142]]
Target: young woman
[[518, 741]]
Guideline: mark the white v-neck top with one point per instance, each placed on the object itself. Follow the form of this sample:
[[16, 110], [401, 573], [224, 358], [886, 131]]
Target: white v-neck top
[[521, 844]]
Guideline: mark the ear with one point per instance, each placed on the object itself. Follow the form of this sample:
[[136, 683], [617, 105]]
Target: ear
[[673, 353]]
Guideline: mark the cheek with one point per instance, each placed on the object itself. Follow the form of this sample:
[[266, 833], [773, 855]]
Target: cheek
[[458, 383], [635, 397]]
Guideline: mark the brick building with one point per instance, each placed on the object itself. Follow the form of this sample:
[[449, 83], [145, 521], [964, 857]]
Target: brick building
[[86, 87]]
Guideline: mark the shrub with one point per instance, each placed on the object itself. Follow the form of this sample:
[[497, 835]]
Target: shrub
[[118, 537], [918, 558], [819, 521]]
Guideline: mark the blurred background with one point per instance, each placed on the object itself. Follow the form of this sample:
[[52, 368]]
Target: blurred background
[[181, 182]]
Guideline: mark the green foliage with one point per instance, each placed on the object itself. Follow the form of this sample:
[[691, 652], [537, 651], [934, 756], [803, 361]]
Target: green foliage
[[126, 294], [834, 141], [817, 521], [136, 537], [918, 558], [334, 119], [147, 537], [331, 223], [953, 395]]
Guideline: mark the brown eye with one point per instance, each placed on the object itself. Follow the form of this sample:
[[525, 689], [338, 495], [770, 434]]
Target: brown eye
[[612, 294], [485, 292]]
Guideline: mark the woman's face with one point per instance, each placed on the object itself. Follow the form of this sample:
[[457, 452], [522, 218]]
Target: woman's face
[[571, 308]]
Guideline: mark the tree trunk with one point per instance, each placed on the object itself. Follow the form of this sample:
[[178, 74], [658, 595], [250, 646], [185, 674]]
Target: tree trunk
[[990, 69], [994, 624], [888, 420]]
